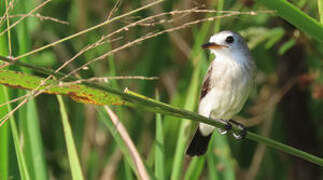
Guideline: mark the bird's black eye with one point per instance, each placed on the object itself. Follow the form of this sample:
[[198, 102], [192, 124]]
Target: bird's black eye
[[229, 39]]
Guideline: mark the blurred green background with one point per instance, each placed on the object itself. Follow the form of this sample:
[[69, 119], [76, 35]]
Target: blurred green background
[[286, 104]]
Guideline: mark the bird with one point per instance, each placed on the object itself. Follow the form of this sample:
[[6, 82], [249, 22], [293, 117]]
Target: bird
[[225, 89]]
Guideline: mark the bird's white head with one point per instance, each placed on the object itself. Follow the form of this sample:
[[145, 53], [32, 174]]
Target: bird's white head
[[229, 45]]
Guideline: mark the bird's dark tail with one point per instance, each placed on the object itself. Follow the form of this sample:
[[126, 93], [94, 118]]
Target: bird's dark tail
[[199, 144]]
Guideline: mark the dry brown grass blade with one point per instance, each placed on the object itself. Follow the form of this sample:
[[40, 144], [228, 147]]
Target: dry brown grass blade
[[155, 34], [87, 30], [6, 12], [35, 92], [142, 172], [106, 79], [8, 30], [23, 17], [39, 16], [102, 39], [109, 171]]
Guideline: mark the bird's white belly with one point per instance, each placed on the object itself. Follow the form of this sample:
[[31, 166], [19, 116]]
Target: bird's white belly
[[222, 103]]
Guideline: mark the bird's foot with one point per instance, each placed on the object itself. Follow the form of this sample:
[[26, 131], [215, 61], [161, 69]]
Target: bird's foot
[[242, 134], [227, 127]]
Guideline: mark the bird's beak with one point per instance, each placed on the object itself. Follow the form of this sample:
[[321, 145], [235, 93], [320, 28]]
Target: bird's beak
[[211, 45]]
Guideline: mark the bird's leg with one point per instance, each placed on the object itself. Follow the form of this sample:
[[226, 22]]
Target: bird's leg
[[227, 126], [242, 128]]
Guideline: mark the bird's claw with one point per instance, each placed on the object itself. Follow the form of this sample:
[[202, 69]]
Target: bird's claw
[[227, 127], [242, 134]]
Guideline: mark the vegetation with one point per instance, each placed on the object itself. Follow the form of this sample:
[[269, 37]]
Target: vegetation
[[117, 54]]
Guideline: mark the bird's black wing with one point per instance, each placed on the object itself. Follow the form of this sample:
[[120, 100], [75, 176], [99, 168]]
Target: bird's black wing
[[206, 83]]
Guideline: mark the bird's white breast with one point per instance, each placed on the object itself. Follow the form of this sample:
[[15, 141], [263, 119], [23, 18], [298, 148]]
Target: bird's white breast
[[230, 84]]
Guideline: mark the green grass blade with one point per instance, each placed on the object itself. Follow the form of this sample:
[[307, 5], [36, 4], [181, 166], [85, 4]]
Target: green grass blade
[[33, 149], [212, 171], [24, 174], [286, 46], [23, 170], [28, 115], [4, 144], [159, 148], [295, 16], [128, 171], [71, 149], [195, 168], [183, 136], [223, 157], [4, 130], [320, 7], [220, 4]]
